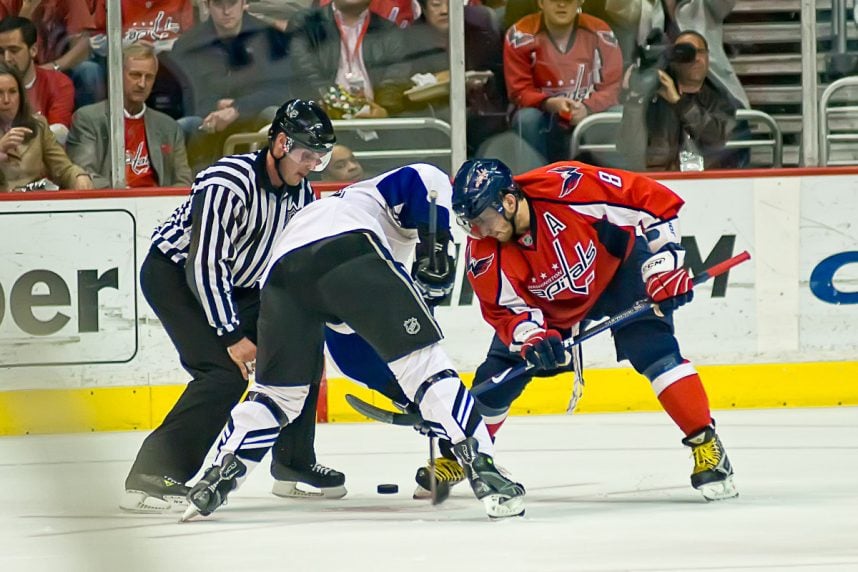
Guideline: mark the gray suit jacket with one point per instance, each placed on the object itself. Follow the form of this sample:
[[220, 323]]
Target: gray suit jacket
[[88, 145]]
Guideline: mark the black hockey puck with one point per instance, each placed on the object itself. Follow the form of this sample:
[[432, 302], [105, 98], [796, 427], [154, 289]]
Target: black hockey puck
[[387, 489]]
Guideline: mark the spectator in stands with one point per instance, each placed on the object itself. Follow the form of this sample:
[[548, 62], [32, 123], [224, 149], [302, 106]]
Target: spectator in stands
[[231, 67], [156, 22], [63, 28], [428, 52], [30, 157], [154, 145], [560, 66], [49, 92], [343, 167], [401, 12], [706, 17], [680, 118], [344, 44]]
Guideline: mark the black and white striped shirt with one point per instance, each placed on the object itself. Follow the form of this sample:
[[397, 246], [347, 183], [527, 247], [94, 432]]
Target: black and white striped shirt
[[224, 231]]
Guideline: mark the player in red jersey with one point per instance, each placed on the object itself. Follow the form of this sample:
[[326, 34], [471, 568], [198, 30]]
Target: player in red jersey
[[567, 243]]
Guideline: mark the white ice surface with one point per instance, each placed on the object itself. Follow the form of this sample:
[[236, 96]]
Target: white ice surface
[[605, 492]]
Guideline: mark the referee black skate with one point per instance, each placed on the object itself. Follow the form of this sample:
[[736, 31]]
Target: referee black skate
[[200, 277]]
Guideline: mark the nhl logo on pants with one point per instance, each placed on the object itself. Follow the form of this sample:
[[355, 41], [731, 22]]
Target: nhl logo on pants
[[412, 326]]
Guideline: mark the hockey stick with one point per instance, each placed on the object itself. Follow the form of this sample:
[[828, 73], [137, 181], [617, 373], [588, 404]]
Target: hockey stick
[[641, 306], [433, 228], [433, 238], [637, 309]]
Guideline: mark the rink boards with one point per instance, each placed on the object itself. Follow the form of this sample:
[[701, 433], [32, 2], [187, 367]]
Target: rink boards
[[81, 350]]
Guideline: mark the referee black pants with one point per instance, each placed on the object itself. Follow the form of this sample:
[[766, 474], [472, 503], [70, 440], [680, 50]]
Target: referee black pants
[[177, 447]]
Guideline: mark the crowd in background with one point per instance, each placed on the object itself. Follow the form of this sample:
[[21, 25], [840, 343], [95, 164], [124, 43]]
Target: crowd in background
[[197, 71]]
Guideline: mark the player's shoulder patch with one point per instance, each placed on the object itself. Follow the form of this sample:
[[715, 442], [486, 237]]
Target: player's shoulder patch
[[517, 39], [598, 27], [571, 178], [478, 265], [524, 31], [608, 37]]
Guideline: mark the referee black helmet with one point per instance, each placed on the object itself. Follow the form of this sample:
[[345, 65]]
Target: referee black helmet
[[305, 125]]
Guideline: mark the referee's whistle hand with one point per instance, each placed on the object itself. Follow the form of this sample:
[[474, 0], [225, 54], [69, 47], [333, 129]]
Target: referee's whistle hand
[[243, 354]]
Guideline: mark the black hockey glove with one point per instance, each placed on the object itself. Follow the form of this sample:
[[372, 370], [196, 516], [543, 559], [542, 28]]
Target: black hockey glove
[[434, 281], [543, 350]]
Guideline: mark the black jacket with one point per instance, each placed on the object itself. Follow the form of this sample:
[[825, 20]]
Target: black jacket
[[251, 68], [315, 56], [709, 118]]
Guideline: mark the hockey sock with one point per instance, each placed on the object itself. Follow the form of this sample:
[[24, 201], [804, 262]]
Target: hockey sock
[[686, 402], [249, 434], [255, 423], [459, 421], [493, 417], [444, 401]]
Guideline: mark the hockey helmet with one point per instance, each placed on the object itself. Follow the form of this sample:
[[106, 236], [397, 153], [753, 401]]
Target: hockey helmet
[[309, 132], [480, 184]]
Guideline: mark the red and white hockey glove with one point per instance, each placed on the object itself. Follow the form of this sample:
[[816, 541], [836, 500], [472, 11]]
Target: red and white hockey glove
[[667, 282], [543, 349]]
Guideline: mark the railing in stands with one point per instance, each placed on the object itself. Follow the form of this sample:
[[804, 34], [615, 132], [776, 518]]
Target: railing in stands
[[753, 116], [254, 139], [826, 138]]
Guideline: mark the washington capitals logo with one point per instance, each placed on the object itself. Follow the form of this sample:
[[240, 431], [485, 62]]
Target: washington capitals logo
[[477, 266], [482, 177], [517, 38], [571, 177]]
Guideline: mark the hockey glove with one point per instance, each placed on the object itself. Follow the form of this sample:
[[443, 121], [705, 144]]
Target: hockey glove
[[434, 282], [667, 283], [543, 349]]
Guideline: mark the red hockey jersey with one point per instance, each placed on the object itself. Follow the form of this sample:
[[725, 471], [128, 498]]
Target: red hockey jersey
[[590, 70], [584, 221]]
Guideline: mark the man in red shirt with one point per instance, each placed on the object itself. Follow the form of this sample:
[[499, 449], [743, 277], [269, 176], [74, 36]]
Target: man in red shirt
[[570, 242], [560, 65], [49, 92], [154, 144], [155, 22], [63, 40]]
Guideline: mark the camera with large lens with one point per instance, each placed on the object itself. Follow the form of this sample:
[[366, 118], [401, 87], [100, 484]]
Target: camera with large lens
[[656, 54]]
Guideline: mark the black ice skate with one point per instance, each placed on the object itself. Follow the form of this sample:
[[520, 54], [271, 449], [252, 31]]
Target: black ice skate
[[211, 490], [501, 497], [153, 494], [447, 474], [326, 483], [713, 474]]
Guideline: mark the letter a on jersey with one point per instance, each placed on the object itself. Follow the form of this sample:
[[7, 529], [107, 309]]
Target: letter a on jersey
[[554, 224]]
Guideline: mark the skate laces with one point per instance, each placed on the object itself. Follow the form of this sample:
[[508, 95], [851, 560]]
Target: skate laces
[[447, 470], [321, 469], [707, 456]]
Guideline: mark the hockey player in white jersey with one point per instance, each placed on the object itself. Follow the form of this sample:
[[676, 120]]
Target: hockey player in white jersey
[[341, 261]]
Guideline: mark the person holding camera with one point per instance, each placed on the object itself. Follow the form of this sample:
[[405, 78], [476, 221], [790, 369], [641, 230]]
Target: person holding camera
[[675, 117]]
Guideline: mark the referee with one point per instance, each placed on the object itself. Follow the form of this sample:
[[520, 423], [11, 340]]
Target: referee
[[200, 279]]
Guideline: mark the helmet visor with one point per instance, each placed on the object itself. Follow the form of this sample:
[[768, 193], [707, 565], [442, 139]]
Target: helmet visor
[[315, 160], [487, 223]]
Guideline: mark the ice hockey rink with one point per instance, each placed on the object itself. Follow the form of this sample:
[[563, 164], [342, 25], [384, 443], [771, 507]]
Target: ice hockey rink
[[606, 492]]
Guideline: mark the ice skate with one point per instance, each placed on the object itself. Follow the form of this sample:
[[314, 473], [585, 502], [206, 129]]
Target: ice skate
[[448, 473], [713, 474], [212, 489], [501, 497], [326, 483], [153, 494]]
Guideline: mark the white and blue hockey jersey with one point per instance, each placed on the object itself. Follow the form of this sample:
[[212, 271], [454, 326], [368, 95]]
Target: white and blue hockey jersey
[[391, 206]]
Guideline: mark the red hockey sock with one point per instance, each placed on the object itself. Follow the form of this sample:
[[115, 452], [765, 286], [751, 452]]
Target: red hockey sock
[[686, 402], [494, 427]]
